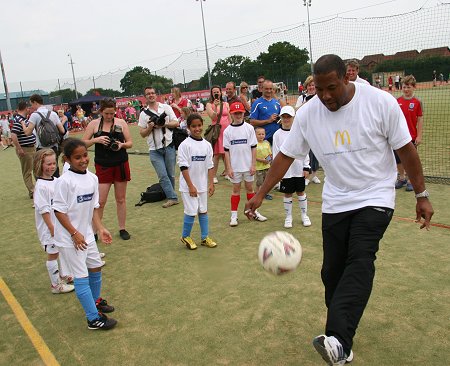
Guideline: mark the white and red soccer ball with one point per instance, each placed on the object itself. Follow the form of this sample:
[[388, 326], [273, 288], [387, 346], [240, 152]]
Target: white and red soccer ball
[[279, 252]]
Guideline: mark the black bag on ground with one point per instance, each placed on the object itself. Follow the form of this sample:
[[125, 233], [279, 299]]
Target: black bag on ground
[[154, 193]]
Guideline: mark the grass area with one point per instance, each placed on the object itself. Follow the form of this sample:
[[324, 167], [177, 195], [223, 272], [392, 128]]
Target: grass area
[[218, 306]]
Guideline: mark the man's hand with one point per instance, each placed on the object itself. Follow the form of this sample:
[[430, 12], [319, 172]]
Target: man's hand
[[424, 210], [251, 206], [20, 153]]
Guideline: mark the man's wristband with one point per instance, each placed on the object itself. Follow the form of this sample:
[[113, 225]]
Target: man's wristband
[[75, 232], [423, 194]]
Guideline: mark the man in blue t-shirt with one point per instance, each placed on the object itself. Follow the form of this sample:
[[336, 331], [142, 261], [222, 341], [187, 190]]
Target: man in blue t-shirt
[[265, 111]]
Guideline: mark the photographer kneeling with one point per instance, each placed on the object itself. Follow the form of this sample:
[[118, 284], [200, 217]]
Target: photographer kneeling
[[155, 124], [111, 137]]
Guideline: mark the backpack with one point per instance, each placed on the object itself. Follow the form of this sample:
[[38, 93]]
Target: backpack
[[154, 193], [47, 131]]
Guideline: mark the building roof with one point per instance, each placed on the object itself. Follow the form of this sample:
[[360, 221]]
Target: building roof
[[25, 94]]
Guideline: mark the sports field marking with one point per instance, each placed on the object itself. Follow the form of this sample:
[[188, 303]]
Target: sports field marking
[[46, 355]]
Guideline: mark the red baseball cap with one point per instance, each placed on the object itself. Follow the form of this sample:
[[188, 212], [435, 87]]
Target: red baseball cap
[[237, 107]]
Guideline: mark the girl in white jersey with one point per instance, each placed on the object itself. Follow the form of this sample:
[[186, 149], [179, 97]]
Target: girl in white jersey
[[44, 167], [195, 159], [294, 179], [239, 142], [76, 204]]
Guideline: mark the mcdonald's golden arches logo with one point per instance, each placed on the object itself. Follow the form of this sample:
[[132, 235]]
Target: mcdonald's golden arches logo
[[341, 136]]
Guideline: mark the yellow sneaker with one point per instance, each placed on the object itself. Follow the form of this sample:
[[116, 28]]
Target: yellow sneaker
[[189, 243], [208, 242]]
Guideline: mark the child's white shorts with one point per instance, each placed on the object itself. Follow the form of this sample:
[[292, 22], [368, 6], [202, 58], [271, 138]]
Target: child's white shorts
[[78, 261], [195, 205], [50, 248], [240, 176]]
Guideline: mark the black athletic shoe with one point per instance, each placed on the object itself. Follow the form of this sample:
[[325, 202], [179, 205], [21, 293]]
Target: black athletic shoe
[[124, 234], [103, 323], [103, 307]]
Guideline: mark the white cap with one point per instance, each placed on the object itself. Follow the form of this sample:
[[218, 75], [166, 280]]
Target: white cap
[[287, 109]]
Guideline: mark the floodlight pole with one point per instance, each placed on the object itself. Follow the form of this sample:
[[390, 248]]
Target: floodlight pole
[[73, 75], [307, 3], [206, 45], [5, 84]]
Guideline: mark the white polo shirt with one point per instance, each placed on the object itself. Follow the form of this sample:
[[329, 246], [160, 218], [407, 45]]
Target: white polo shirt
[[354, 146], [154, 140]]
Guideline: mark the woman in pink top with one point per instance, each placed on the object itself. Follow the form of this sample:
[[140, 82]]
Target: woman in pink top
[[178, 101], [213, 110]]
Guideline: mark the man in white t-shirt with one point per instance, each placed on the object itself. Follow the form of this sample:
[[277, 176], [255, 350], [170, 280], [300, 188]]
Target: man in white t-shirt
[[352, 72], [159, 139], [352, 129], [35, 119]]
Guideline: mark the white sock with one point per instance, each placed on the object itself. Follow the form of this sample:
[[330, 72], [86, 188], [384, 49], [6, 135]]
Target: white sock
[[303, 204], [53, 271], [234, 214], [287, 202]]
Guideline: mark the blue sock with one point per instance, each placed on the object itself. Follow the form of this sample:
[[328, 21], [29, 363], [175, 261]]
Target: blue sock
[[204, 224], [187, 225], [84, 294], [95, 283]]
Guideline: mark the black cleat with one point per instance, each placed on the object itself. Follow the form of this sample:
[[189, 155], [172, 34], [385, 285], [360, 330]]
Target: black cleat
[[103, 323]]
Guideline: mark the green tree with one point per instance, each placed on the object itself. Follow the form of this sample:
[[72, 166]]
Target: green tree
[[282, 60], [135, 80], [232, 68], [104, 92], [66, 95]]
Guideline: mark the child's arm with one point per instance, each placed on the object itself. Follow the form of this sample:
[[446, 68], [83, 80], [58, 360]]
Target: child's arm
[[77, 238], [419, 130], [187, 178], [104, 234], [253, 167], [230, 172], [48, 221], [211, 187]]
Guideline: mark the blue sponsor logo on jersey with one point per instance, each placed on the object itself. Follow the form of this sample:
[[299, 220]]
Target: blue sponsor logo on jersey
[[199, 158], [239, 142], [85, 197]]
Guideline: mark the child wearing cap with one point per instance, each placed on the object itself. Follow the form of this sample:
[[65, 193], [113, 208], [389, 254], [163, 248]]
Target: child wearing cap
[[294, 179], [239, 141]]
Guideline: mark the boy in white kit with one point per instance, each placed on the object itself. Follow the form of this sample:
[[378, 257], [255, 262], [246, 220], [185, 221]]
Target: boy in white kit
[[239, 141], [196, 181], [294, 179]]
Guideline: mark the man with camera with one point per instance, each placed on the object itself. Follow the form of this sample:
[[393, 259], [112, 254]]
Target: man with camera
[[155, 124], [265, 111]]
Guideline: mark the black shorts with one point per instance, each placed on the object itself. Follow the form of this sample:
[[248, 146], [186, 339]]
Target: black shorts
[[291, 185], [397, 158]]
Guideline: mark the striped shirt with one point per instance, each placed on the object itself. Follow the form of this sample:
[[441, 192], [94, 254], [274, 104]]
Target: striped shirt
[[24, 141]]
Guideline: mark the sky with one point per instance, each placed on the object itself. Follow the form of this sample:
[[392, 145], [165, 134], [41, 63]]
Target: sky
[[36, 37]]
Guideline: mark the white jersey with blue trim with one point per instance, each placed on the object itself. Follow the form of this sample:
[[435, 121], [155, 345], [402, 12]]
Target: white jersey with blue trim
[[239, 140], [197, 156], [76, 195], [42, 198]]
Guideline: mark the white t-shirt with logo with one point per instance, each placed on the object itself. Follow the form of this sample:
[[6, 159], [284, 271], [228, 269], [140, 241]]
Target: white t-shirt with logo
[[197, 156], [239, 140], [154, 140], [76, 195], [43, 197], [296, 168], [354, 146]]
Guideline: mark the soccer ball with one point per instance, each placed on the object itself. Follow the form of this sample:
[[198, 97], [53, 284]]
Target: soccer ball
[[279, 252]]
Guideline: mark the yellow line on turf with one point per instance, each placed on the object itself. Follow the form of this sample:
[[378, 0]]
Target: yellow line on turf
[[46, 355]]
